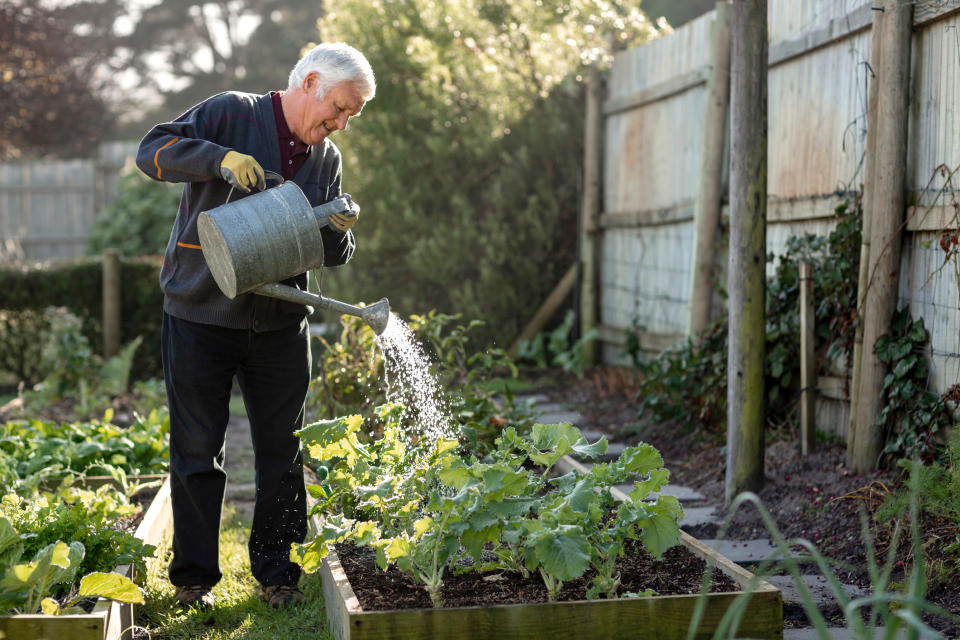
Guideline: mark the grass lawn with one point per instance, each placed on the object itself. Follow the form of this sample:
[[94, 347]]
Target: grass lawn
[[239, 613]]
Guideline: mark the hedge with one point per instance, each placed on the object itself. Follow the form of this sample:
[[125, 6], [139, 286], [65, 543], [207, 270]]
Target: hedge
[[77, 285]]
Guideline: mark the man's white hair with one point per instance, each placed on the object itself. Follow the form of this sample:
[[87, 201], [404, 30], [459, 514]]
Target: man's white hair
[[335, 63]]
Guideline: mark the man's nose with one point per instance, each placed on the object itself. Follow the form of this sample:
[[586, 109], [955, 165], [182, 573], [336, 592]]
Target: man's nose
[[342, 121]]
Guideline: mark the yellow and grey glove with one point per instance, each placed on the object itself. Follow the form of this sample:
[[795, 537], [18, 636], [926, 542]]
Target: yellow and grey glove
[[242, 171], [343, 222]]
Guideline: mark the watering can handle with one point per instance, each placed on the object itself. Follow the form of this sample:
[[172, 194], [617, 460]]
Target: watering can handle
[[267, 174]]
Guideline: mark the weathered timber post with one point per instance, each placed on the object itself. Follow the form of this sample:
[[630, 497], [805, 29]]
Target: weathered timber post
[[592, 141], [887, 206], [866, 202], [706, 214], [111, 302], [746, 284], [808, 371]]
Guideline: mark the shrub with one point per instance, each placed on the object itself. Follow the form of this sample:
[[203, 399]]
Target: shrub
[[138, 221], [25, 291]]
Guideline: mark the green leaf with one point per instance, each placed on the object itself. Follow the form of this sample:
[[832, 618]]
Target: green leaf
[[49, 606], [660, 530], [641, 459], [110, 585], [590, 451], [655, 481], [8, 535], [327, 432], [564, 552]]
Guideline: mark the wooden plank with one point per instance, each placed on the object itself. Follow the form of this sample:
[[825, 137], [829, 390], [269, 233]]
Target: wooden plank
[[547, 310], [660, 91], [935, 218], [926, 12], [682, 212], [800, 209], [661, 617], [831, 387], [837, 29], [72, 627]]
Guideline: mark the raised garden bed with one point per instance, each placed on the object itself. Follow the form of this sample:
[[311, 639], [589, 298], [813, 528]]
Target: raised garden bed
[[108, 620], [661, 617]]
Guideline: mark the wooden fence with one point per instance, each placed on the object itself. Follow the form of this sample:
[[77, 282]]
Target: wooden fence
[[818, 80], [48, 207]]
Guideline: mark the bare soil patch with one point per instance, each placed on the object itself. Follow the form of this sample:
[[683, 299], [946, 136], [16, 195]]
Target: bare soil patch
[[678, 572]]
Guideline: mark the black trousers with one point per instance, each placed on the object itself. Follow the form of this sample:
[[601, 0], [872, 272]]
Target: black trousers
[[273, 371]]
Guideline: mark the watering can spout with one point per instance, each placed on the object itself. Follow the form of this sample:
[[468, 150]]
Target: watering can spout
[[376, 315]]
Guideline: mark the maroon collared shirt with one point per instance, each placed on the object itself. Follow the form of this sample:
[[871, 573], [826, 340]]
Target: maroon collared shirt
[[293, 153]]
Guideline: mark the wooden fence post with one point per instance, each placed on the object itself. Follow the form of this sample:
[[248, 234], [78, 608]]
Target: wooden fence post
[[866, 202], [111, 302], [887, 208], [808, 371], [746, 392], [706, 214], [592, 141]]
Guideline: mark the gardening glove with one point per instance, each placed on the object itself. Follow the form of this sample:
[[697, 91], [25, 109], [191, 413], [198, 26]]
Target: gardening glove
[[343, 222], [242, 171]]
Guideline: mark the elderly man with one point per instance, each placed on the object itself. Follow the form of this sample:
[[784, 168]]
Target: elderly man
[[220, 146]]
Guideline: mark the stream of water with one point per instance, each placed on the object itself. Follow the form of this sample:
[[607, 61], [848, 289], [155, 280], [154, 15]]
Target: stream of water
[[411, 383]]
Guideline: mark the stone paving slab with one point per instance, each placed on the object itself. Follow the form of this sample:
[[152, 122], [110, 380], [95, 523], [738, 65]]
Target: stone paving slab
[[556, 417], [818, 587], [694, 516], [745, 551], [680, 492]]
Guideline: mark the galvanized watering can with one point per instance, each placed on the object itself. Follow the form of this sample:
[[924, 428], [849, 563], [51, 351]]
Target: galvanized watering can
[[253, 243]]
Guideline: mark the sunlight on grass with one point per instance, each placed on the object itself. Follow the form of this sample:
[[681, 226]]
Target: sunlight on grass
[[239, 613]]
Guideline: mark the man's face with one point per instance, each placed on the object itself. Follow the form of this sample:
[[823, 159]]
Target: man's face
[[322, 116]]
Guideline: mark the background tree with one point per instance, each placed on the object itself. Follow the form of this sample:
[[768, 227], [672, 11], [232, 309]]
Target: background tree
[[467, 162], [188, 50], [50, 79]]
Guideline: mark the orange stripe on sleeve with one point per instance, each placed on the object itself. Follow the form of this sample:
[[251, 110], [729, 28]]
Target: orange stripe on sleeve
[[157, 154], [189, 246]]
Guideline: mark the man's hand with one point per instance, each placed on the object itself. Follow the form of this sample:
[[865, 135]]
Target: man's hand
[[242, 171], [343, 222]]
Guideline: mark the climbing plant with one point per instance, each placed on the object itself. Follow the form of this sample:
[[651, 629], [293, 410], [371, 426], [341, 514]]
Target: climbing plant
[[688, 384]]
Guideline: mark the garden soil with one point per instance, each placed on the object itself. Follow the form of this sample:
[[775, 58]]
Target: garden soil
[[813, 497]]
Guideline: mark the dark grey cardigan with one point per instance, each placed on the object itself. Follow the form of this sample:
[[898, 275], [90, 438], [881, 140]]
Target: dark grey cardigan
[[190, 150]]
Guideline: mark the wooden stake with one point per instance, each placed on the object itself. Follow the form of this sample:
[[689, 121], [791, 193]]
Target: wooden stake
[[869, 173], [808, 372], [706, 214], [592, 141], [111, 302], [746, 394], [887, 206]]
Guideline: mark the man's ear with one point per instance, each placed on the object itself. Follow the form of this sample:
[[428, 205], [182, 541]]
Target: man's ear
[[310, 82]]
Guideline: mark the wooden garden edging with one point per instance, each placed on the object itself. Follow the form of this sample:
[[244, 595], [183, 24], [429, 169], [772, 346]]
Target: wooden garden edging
[[659, 617], [109, 620]]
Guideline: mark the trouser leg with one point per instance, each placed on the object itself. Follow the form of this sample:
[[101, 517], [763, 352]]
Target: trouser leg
[[274, 379], [199, 362]]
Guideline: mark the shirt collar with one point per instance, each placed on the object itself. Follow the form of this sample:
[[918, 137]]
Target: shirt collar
[[283, 129]]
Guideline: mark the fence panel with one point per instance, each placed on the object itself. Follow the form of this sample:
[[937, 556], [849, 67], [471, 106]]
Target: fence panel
[[48, 207], [818, 83]]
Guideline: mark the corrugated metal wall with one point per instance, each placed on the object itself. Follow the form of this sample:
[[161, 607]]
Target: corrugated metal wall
[[818, 82], [47, 207]]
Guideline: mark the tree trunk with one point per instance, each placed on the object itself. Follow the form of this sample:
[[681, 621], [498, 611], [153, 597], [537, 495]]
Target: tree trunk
[[746, 396], [887, 216]]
